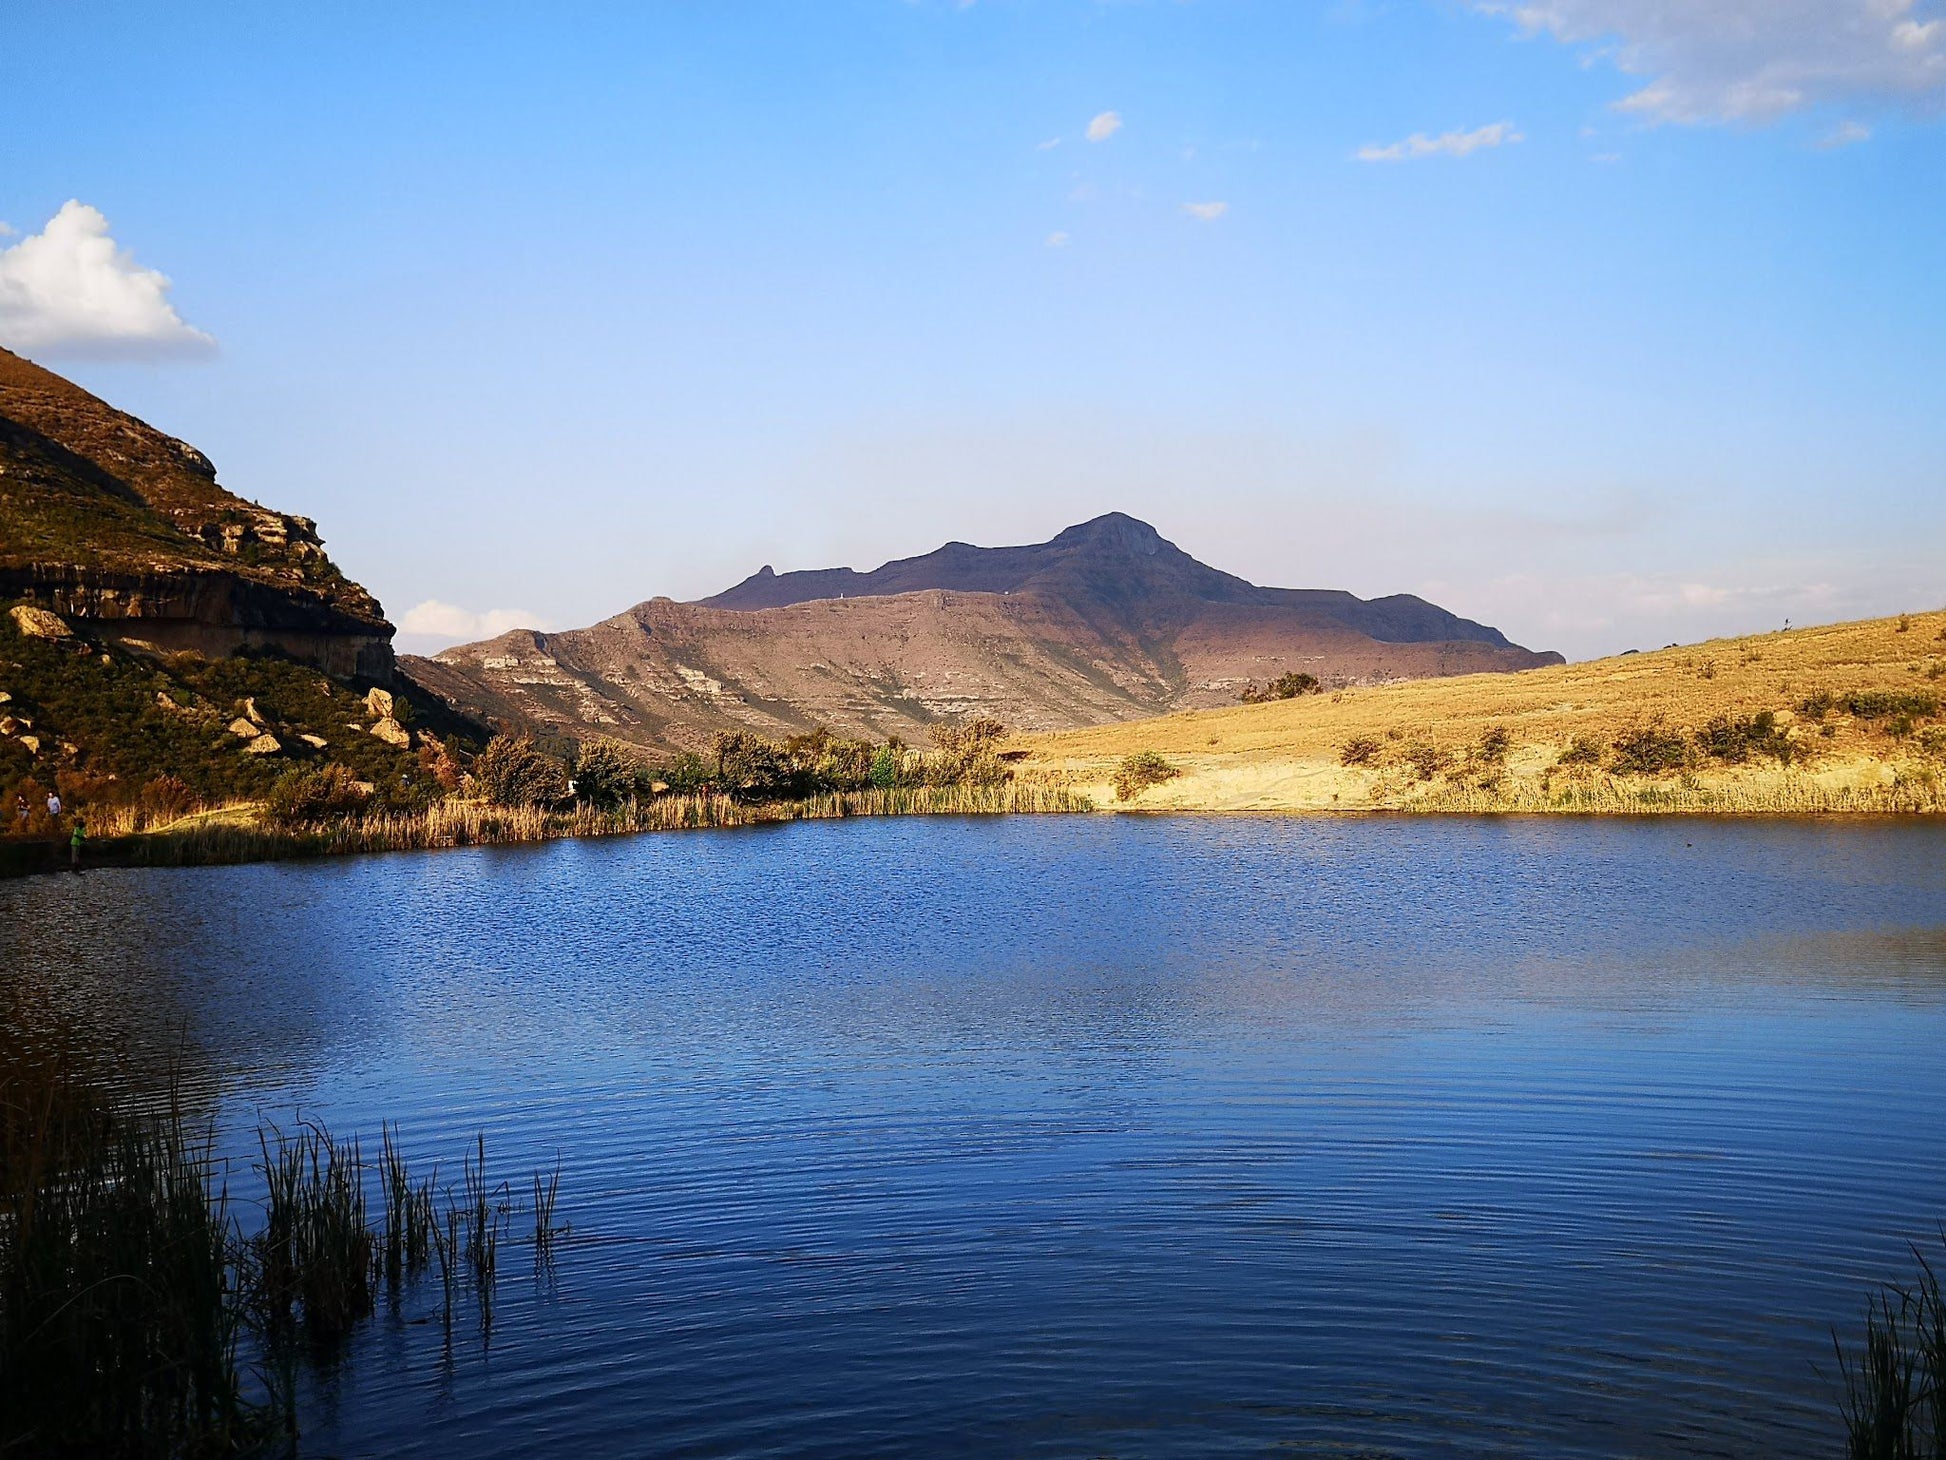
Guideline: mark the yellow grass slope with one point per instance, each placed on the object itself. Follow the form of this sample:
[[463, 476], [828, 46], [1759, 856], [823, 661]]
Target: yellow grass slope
[[1854, 726]]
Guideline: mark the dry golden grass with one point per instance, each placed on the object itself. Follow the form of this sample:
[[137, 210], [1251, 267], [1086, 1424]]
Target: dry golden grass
[[1289, 755]]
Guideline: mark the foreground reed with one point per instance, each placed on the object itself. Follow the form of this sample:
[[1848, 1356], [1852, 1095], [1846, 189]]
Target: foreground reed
[[137, 1315], [1895, 1385]]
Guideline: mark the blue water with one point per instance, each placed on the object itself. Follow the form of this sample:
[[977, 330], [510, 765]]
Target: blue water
[[1090, 1136]]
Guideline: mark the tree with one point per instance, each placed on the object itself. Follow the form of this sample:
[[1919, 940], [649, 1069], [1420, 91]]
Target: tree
[[513, 771]]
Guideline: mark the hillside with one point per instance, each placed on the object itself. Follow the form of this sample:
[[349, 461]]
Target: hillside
[[166, 644], [105, 519], [1845, 717], [1105, 623]]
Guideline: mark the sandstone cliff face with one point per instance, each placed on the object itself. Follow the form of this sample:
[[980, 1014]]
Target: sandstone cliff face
[[1107, 622], [105, 519]]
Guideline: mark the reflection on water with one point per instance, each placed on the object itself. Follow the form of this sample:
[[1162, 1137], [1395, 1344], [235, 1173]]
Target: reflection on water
[[1093, 1136]]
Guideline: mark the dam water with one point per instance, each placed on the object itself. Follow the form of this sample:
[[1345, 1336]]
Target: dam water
[[1084, 1136]]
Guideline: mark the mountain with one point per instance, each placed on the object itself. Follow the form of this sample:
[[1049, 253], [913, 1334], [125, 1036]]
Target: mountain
[[105, 519], [1107, 622]]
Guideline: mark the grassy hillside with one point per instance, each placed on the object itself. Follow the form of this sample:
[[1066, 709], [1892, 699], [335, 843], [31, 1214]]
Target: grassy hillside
[[1841, 718]]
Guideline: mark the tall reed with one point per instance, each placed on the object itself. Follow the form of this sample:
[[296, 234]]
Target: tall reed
[[123, 1291], [1895, 1385]]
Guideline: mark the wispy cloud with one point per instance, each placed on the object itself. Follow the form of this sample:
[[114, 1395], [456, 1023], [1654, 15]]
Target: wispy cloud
[[1104, 125], [1057, 239], [1207, 212], [1751, 60], [71, 289], [1845, 134], [1048, 146], [1446, 144]]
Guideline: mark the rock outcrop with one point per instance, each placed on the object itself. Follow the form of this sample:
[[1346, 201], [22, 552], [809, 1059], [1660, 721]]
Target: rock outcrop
[[122, 530]]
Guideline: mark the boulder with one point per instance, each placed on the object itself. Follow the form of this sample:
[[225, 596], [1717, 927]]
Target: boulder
[[38, 623], [245, 729], [250, 712], [263, 745], [9, 725], [392, 732], [316, 742], [379, 703], [33, 744]]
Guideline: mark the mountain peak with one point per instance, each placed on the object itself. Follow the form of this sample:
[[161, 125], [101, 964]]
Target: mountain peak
[[1114, 530]]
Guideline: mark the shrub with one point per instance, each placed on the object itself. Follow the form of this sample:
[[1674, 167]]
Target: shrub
[[513, 771], [1140, 771], [1426, 759], [1359, 750], [1734, 741], [750, 768], [1879, 704], [1582, 751], [1649, 750], [966, 754], [308, 797], [1285, 687], [1817, 706], [685, 774], [1493, 746]]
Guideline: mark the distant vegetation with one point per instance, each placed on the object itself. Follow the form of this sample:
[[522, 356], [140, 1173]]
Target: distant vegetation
[[184, 761], [1284, 687]]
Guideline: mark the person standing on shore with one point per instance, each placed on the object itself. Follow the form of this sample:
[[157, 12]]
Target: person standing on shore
[[75, 839], [54, 805]]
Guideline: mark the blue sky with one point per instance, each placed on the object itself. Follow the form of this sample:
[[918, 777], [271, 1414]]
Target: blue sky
[[542, 311]]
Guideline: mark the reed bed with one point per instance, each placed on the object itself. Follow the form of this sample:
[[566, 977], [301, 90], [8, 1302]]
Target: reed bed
[[138, 1317], [1781, 793], [239, 835]]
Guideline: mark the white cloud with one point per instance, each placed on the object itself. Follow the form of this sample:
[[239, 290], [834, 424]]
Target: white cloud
[[1207, 212], [434, 624], [71, 289], [1446, 144], [1048, 146], [1104, 126], [1752, 60], [1057, 239], [1845, 134]]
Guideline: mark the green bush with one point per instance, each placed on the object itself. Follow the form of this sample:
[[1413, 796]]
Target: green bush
[[1493, 746], [512, 771], [1140, 771], [750, 768], [607, 775]]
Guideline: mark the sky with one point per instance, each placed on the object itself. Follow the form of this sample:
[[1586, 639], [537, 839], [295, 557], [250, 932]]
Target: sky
[[1612, 323]]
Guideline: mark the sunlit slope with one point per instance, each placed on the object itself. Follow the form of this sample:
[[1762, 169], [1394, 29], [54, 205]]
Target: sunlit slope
[[1839, 718]]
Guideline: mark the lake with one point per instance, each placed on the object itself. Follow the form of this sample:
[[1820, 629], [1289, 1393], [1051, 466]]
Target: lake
[[1088, 1135]]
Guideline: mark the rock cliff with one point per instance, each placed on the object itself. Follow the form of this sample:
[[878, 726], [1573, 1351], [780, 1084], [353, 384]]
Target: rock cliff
[[108, 521]]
